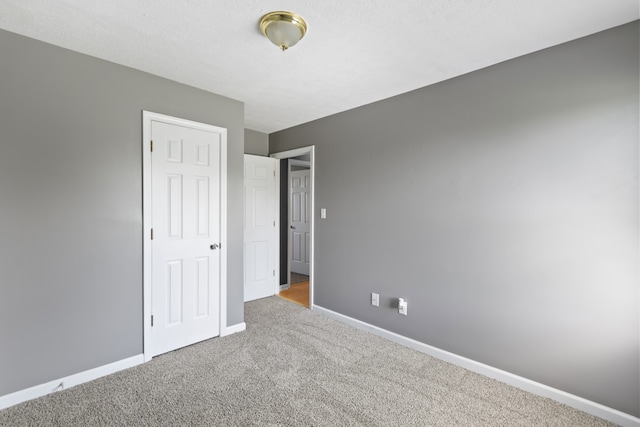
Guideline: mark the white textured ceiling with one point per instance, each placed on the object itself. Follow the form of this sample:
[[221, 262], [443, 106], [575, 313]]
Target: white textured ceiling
[[355, 52]]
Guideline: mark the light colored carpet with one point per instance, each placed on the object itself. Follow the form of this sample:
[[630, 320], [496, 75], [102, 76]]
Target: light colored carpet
[[292, 367]]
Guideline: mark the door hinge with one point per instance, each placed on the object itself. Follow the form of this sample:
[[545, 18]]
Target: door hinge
[[274, 273], [274, 173], [274, 223], [152, 234], [151, 146], [152, 320]]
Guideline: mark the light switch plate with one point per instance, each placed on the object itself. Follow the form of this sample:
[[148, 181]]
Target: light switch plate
[[402, 306], [323, 213], [375, 299]]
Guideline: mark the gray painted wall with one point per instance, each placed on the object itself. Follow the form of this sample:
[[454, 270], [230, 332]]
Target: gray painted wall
[[503, 205], [256, 143], [71, 206]]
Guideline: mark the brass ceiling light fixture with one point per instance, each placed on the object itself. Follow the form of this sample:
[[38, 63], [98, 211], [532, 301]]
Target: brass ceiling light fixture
[[284, 29]]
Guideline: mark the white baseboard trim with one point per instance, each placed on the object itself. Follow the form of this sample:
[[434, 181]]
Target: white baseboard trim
[[238, 327], [69, 381], [34, 392], [593, 408]]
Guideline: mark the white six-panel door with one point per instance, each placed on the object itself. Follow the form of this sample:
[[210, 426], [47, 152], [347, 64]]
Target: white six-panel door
[[186, 236], [259, 227], [300, 221]]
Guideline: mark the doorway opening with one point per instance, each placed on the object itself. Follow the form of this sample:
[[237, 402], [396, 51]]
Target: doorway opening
[[295, 172]]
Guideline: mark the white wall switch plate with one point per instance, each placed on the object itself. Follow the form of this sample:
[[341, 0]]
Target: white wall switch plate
[[402, 306], [375, 299], [323, 213]]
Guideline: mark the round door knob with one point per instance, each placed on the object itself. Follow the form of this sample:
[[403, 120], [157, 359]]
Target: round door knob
[[214, 246]]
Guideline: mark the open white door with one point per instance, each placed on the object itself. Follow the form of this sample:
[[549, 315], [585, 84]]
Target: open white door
[[185, 236], [300, 220], [260, 216]]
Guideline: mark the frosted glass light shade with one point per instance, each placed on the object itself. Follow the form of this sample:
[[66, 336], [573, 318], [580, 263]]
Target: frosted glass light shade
[[284, 29]]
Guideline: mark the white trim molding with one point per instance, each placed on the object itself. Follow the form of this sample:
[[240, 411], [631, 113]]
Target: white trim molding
[[577, 402], [311, 151], [68, 381], [224, 243], [233, 329]]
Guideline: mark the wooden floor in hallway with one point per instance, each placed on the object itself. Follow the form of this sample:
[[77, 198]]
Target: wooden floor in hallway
[[298, 293]]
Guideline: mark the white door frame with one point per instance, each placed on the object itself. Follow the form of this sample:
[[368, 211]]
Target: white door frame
[[287, 155], [147, 118]]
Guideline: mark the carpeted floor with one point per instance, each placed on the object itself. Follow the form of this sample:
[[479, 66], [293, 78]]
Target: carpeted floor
[[292, 367]]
